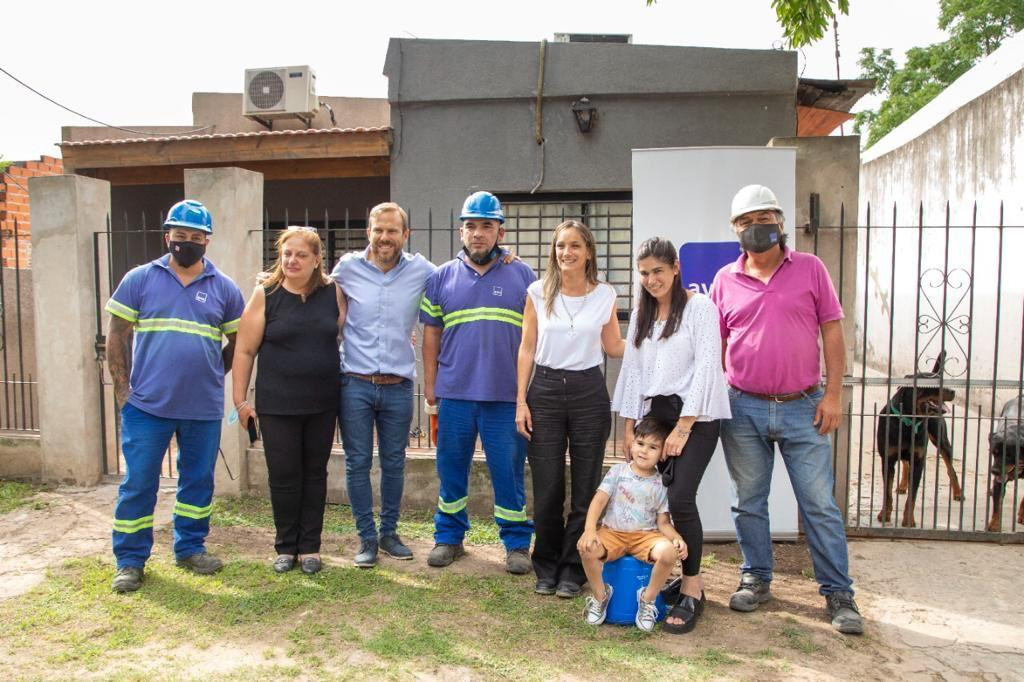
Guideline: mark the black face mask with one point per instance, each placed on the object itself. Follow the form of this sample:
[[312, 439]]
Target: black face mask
[[187, 254], [483, 260], [760, 237]]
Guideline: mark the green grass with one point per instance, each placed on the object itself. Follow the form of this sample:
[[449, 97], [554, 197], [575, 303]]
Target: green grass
[[799, 639], [403, 623], [14, 494], [255, 512]]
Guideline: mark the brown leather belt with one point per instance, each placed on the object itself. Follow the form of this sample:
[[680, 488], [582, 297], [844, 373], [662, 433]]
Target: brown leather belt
[[379, 379], [782, 397]]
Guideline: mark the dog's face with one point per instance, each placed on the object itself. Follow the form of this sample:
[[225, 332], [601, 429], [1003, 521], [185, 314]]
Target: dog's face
[[924, 401]]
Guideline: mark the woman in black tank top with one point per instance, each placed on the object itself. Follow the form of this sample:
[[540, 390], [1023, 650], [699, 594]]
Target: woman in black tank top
[[292, 322]]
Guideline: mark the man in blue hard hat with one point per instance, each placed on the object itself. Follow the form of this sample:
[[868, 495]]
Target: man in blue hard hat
[[472, 311], [166, 354]]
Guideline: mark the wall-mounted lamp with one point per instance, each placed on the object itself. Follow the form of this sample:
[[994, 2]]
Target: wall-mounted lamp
[[585, 113]]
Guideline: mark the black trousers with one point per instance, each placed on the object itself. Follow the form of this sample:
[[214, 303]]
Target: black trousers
[[297, 448], [569, 409], [686, 472]]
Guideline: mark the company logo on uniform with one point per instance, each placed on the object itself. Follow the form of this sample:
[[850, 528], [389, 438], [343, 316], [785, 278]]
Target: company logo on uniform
[[496, 291], [699, 262], [201, 296]]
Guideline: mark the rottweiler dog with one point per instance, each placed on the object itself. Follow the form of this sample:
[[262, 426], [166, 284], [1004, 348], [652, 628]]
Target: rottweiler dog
[[906, 424], [1006, 447]]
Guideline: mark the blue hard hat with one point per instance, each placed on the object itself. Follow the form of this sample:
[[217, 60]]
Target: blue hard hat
[[483, 205], [189, 214]]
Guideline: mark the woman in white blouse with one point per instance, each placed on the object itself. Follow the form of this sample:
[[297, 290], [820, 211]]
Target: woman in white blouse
[[673, 358], [568, 324]]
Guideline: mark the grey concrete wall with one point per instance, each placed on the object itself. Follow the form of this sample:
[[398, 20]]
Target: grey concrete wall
[[20, 456], [234, 197], [463, 112], [223, 110], [972, 160], [66, 210]]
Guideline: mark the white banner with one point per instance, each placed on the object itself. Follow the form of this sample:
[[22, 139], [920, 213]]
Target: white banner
[[684, 194]]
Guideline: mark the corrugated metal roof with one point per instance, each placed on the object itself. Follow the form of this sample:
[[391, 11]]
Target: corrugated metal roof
[[222, 136]]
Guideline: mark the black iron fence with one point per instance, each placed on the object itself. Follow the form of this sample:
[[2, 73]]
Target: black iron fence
[[19, 398], [917, 298]]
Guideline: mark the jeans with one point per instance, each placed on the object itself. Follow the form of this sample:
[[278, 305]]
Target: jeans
[[144, 440], [297, 448], [459, 424], [749, 438], [568, 409], [389, 408]]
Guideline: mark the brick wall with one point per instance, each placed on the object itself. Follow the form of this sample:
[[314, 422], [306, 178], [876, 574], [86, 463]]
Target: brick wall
[[14, 207]]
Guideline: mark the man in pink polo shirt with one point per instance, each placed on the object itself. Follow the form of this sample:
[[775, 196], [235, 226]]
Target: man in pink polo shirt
[[774, 303]]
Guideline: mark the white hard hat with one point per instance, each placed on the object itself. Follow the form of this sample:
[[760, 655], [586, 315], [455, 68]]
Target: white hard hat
[[754, 198]]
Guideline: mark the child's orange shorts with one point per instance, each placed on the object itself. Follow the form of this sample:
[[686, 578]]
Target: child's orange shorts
[[638, 543]]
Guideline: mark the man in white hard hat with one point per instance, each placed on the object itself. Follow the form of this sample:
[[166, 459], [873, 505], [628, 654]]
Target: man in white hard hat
[[774, 304]]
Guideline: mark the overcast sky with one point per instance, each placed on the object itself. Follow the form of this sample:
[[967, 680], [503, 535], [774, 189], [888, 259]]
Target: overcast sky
[[137, 63]]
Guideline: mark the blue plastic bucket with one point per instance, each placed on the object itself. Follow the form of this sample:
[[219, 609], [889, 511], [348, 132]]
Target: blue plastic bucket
[[626, 576]]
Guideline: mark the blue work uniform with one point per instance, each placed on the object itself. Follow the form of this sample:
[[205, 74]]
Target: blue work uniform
[[482, 319], [177, 389]]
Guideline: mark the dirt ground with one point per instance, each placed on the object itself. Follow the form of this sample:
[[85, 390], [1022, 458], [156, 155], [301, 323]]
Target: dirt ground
[[934, 610]]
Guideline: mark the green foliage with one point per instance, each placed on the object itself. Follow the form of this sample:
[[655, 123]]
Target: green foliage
[[976, 28], [804, 21], [4, 165], [14, 494]]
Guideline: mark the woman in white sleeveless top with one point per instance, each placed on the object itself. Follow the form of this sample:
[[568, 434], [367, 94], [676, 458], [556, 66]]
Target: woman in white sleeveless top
[[568, 325]]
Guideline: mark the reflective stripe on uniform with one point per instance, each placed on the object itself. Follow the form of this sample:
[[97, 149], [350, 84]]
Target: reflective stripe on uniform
[[230, 327], [122, 311], [477, 314], [191, 511], [429, 308], [133, 525], [173, 324], [510, 514], [452, 507]]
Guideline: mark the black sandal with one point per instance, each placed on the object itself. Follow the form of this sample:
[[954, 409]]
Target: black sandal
[[688, 609]]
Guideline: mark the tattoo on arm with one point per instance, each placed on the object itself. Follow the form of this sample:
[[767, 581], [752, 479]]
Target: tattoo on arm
[[119, 356]]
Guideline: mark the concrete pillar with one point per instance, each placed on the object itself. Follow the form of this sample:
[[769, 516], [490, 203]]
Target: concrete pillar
[[66, 210], [234, 197]]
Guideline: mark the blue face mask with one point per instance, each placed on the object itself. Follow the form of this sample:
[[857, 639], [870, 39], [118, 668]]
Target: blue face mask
[[485, 259], [760, 237]]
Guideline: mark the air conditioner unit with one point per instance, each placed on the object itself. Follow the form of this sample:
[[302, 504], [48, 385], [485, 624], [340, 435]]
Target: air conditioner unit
[[280, 92]]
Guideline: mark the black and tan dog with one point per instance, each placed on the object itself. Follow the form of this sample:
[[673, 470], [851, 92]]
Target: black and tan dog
[[912, 418], [1006, 447]]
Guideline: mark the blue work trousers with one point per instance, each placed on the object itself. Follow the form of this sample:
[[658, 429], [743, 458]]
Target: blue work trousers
[[144, 440], [459, 423]]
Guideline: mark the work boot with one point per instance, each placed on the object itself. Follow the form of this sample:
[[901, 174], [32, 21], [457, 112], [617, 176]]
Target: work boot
[[751, 593], [393, 546], [841, 608], [444, 554], [517, 561], [202, 563], [366, 557], [128, 579]]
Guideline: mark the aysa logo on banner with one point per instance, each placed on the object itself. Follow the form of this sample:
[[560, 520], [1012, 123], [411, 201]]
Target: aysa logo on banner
[[699, 262]]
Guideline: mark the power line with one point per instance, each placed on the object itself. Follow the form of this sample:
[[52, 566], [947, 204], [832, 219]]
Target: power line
[[90, 118]]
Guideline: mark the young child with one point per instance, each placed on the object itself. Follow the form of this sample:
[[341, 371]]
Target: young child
[[636, 522]]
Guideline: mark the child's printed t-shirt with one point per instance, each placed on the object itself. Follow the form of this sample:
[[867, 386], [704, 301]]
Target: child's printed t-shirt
[[635, 501]]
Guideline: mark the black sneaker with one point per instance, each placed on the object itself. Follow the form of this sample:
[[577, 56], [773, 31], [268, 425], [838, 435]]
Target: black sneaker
[[284, 563], [567, 589], [545, 586], [366, 557], [393, 546], [444, 554], [202, 563], [751, 593], [128, 579], [841, 608]]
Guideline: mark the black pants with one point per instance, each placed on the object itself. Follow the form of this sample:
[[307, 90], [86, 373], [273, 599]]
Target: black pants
[[687, 470], [297, 449], [569, 409]]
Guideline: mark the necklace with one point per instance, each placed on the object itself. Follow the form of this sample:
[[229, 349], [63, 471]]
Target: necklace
[[572, 318]]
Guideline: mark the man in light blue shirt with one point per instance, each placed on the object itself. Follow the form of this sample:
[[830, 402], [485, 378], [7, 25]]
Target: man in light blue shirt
[[383, 286]]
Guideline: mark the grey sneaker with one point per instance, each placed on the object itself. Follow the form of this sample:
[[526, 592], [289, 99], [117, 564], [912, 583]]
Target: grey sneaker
[[202, 563], [841, 608], [444, 554], [366, 557], [751, 593], [596, 611], [517, 561], [646, 612], [393, 546], [567, 590], [128, 579]]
